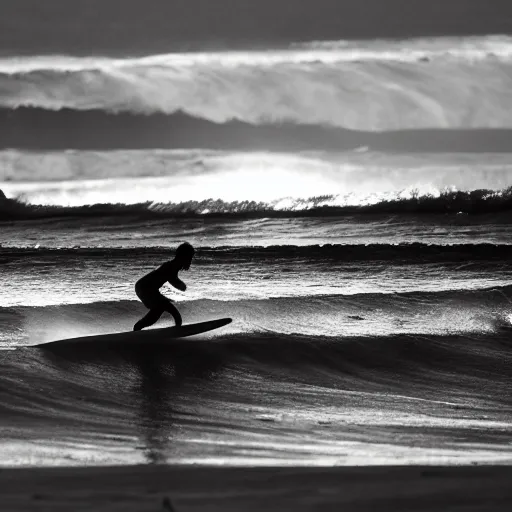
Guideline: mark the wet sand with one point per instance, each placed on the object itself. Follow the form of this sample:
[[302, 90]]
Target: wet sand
[[154, 488]]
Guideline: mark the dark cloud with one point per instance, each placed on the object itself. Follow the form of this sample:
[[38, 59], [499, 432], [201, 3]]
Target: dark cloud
[[145, 26]]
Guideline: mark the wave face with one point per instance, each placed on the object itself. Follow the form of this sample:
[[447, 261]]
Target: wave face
[[450, 83], [326, 334], [348, 403]]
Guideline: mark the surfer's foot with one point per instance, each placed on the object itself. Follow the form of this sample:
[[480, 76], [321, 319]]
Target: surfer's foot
[[137, 327]]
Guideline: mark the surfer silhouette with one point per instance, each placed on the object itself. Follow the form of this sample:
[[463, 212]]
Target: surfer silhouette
[[148, 287]]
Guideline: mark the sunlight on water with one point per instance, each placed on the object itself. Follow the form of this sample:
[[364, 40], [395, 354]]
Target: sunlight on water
[[281, 181], [66, 453]]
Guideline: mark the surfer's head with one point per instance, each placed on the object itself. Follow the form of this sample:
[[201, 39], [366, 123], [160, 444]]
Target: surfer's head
[[184, 254]]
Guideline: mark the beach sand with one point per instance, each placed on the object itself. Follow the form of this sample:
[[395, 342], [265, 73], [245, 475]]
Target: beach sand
[[154, 488]]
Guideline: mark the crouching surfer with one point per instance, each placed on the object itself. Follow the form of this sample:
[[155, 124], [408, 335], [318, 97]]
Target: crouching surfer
[[148, 287]]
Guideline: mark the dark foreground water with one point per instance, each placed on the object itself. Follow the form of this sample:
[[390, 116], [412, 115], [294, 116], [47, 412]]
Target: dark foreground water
[[338, 354]]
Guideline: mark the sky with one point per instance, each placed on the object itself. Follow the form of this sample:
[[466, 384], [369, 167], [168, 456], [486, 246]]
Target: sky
[[130, 27]]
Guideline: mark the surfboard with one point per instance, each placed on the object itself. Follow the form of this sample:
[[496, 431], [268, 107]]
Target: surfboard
[[152, 336]]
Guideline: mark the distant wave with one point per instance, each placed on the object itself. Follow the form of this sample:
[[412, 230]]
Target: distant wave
[[202, 182], [475, 202], [476, 313], [361, 172], [469, 48], [397, 254], [42, 129], [443, 83]]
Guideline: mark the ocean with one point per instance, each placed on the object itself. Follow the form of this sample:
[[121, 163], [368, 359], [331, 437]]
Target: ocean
[[350, 203]]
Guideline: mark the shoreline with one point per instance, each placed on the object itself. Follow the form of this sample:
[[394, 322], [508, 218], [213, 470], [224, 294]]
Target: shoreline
[[186, 488]]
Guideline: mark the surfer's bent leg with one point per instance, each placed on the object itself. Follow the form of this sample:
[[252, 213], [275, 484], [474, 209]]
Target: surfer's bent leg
[[150, 318], [173, 310], [157, 304]]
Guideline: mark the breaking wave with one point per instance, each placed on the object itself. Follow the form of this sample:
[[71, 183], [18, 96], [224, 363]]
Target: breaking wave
[[447, 202], [449, 83]]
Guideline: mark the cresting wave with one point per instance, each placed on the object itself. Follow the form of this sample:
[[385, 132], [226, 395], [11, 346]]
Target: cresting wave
[[406, 50], [421, 48], [359, 170], [370, 86], [461, 203], [454, 333]]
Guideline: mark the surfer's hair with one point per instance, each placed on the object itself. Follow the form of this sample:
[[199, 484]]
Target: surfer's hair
[[185, 252]]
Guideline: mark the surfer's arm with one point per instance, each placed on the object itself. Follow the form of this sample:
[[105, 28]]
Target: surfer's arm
[[177, 283], [171, 274]]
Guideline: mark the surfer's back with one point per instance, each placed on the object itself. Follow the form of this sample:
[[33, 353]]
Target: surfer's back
[[168, 271]]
